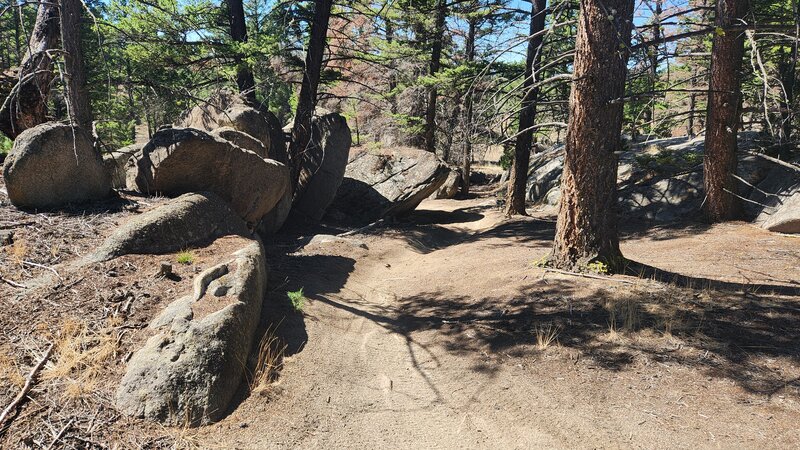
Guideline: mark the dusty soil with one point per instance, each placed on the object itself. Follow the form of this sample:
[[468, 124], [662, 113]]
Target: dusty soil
[[437, 336], [442, 333]]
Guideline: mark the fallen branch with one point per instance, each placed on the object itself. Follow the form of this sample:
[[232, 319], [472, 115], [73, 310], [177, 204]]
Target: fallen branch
[[794, 167], [28, 385], [588, 275]]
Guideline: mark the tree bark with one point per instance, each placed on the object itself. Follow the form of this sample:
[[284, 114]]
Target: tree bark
[[586, 230], [244, 74], [435, 65], [301, 130], [78, 104], [724, 103], [25, 104], [515, 198]]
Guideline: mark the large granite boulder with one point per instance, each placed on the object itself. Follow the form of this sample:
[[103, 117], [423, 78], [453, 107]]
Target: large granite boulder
[[189, 369], [181, 160], [381, 183], [451, 186], [116, 163], [183, 222], [323, 166], [53, 164]]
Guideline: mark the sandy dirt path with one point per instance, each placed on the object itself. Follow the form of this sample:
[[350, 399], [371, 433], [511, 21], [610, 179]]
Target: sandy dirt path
[[428, 339]]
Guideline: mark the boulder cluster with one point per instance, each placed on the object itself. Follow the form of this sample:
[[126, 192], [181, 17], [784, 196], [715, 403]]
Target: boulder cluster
[[226, 167]]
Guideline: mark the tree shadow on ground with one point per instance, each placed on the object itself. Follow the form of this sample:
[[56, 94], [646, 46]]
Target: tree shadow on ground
[[728, 335]]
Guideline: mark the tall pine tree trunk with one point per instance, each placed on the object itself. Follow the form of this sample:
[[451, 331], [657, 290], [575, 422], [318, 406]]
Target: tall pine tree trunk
[[25, 106], [515, 199], [435, 65], [307, 99], [79, 107], [586, 230], [722, 123], [244, 74], [467, 157]]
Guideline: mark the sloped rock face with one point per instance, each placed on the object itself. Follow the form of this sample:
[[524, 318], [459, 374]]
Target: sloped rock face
[[786, 217], [323, 166], [116, 163], [185, 221], [242, 140], [387, 183], [190, 368], [52, 165], [178, 161]]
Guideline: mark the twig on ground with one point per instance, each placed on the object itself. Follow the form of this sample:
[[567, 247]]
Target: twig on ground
[[28, 385], [60, 434], [587, 275], [6, 226], [42, 266], [13, 283], [362, 229]]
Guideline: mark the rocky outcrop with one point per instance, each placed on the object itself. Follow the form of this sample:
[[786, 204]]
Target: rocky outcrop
[[274, 220], [381, 183], [323, 166], [241, 139], [186, 221], [116, 163], [227, 109], [661, 180], [53, 164], [178, 161], [189, 369]]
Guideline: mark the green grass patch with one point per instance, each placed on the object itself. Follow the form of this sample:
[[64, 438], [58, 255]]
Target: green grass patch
[[297, 298], [185, 257]]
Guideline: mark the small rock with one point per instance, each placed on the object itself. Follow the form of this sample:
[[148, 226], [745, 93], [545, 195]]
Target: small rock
[[6, 238], [165, 270]]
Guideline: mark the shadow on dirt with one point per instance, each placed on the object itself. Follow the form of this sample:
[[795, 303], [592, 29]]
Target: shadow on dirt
[[729, 335]]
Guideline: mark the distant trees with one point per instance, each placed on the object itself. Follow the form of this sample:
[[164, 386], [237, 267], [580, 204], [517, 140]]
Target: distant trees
[[515, 199], [586, 230]]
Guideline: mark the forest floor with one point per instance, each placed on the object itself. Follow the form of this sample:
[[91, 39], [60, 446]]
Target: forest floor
[[442, 333]]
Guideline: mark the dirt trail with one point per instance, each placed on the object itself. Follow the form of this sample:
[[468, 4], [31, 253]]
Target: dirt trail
[[428, 339]]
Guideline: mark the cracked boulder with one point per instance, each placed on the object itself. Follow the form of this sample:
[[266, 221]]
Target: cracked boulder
[[181, 160], [384, 183], [191, 365]]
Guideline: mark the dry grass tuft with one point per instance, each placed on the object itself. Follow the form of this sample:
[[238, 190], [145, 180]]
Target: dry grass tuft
[[82, 355], [546, 335], [269, 362], [623, 313], [17, 251], [9, 370]]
